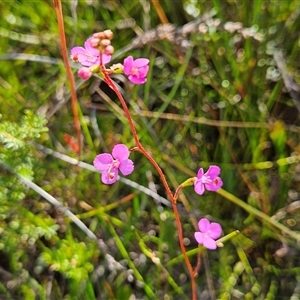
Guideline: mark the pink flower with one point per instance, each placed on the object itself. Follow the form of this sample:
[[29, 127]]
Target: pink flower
[[85, 73], [136, 70], [209, 181], [88, 56], [111, 164], [208, 233]]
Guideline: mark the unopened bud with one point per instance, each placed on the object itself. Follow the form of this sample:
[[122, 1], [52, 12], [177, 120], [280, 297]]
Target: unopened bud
[[109, 50], [99, 35], [108, 34], [105, 43], [94, 42], [117, 68], [85, 73]]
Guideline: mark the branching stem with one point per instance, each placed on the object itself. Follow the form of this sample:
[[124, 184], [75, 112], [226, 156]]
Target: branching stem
[[172, 197]]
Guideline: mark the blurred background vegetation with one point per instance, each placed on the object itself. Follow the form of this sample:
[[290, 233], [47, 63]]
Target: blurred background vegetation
[[223, 91]]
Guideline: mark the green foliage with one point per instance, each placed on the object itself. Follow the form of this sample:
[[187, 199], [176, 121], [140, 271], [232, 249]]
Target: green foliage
[[19, 228], [17, 155], [16, 150], [70, 258]]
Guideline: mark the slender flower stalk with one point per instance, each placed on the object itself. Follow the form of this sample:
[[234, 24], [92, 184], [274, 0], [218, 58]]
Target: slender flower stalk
[[64, 51], [161, 175], [93, 56]]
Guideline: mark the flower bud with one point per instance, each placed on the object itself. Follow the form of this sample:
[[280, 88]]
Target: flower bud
[[109, 50], [85, 73], [108, 34], [94, 42], [105, 42], [117, 68], [99, 35]]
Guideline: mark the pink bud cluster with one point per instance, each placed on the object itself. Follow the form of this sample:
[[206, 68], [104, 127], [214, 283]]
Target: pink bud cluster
[[102, 41], [97, 52]]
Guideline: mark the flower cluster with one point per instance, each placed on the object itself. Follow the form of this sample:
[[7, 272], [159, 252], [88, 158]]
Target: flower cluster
[[93, 57], [88, 56], [97, 52]]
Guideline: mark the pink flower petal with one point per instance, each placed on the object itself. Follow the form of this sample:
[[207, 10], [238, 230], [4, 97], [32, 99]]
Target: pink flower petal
[[78, 50], [102, 161], [214, 185], [215, 230], [105, 58], [199, 187], [128, 64], [87, 62], [209, 243], [203, 225], [199, 237], [136, 80], [200, 173], [140, 62], [126, 167], [111, 177], [213, 171], [120, 152], [143, 71], [93, 51]]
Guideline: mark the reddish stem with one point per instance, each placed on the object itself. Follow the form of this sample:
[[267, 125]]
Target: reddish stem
[[161, 175], [198, 265], [64, 52], [177, 192]]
